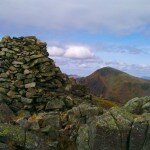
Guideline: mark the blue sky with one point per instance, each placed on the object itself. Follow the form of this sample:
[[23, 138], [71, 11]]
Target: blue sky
[[85, 35]]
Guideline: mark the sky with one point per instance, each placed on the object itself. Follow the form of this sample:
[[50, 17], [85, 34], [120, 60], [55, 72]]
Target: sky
[[85, 35]]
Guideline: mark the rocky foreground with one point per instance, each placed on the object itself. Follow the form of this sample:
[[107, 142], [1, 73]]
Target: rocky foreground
[[42, 109]]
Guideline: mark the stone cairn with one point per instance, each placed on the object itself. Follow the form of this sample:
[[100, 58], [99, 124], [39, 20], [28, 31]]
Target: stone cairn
[[28, 76], [36, 97]]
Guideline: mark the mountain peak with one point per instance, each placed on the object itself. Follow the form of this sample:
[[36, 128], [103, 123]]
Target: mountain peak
[[109, 70], [116, 85]]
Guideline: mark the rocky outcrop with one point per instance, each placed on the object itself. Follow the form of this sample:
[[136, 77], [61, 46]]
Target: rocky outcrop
[[41, 108], [138, 105], [16, 136], [116, 129]]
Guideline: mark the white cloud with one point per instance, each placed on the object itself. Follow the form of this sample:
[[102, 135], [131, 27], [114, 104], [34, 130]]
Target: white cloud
[[79, 52], [55, 51], [120, 16], [83, 65], [71, 51]]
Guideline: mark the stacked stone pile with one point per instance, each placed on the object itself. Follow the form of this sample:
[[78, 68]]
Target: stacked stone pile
[[35, 95], [28, 76]]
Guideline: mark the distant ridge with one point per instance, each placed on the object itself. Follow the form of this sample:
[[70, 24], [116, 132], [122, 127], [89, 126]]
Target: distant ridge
[[115, 85], [145, 77], [74, 76]]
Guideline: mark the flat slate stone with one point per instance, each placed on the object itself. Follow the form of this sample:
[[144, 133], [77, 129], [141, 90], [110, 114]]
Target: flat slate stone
[[30, 85]]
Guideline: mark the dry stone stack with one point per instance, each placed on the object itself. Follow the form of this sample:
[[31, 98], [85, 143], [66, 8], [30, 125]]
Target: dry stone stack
[[28, 76], [35, 96]]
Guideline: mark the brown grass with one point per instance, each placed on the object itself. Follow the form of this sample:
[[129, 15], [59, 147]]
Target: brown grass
[[107, 104]]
